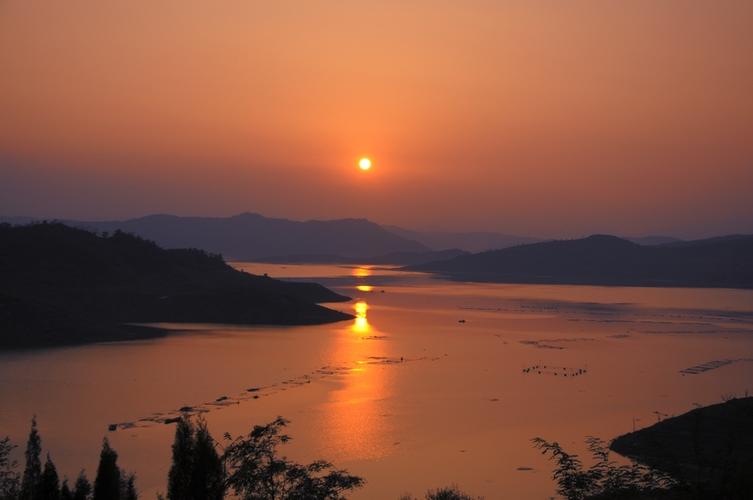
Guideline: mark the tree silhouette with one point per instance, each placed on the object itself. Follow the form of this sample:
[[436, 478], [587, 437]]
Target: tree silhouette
[[197, 472], [179, 477], [448, 493], [256, 472], [604, 479], [83, 488], [9, 480], [207, 473], [65, 491], [33, 469], [107, 483], [49, 486], [128, 488]]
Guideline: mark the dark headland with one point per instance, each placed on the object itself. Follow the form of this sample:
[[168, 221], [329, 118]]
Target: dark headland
[[61, 285], [709, 450], [608, 260]]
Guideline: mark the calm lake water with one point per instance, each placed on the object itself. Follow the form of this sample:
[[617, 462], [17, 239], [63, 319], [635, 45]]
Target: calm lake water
[[407, 395]]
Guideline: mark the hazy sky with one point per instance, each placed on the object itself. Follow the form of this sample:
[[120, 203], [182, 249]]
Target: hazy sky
[[548, 118]]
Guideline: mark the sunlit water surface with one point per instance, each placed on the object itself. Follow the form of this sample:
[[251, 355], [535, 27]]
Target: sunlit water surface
[[434, 382]]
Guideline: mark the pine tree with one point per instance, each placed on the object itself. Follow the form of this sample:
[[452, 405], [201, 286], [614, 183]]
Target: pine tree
[[129, 488], [49, 486], [83, 488], [179, 477], [107, 483], [33, 470], [207, 474], [9, 478], [65, 491]]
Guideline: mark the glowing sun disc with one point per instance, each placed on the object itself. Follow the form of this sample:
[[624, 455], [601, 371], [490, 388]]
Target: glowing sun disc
[[364, 163]]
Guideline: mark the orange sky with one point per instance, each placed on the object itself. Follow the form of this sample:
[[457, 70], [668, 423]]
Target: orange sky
[[546, 118]]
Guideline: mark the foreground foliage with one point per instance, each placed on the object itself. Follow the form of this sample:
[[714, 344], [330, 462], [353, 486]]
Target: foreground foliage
[[708, 449], [256, 471], [446, 493], [605, 478], [250, 466], [197, 472], [39, 482]]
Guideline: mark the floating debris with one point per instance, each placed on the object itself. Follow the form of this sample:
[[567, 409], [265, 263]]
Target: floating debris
[[711, 365], [557, 371], [252, 393], [472, 308], [550, 343], [540, 345]]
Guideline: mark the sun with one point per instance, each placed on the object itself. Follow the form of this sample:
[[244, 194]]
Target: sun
[[364, 164]]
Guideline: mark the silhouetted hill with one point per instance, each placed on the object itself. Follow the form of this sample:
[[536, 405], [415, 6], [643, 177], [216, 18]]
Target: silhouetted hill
[[396, 258], [653, 240], [608, 260], [252, 236], [709, 448], [474, 241], [64, 285]]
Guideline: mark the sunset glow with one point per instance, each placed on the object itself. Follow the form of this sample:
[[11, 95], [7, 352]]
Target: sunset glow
[[481, 106], [411, 230]]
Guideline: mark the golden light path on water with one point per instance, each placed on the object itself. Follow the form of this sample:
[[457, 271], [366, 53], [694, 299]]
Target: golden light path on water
[[361, 272], [403, 393]]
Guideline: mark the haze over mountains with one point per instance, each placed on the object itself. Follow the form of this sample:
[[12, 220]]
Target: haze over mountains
[[608, 260], [251, 236], [474, 241]]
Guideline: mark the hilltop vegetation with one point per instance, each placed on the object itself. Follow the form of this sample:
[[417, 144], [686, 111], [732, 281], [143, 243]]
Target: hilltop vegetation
[[61, 285]]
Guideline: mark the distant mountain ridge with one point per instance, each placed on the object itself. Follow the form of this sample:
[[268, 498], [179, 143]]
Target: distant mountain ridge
[[394, 258], [653, 240], [609, 260], [470, 241], [250, 236]]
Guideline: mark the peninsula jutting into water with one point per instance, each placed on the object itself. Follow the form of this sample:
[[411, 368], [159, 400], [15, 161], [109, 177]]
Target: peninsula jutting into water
[[60, 285]]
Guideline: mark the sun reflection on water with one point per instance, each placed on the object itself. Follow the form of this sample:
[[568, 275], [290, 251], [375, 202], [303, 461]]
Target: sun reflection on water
[[361, 272], [353, 424], [361, 307], [361, 324], [365, 288]]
